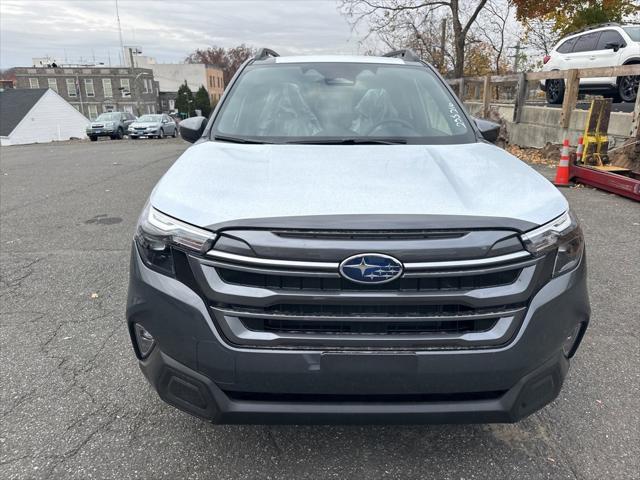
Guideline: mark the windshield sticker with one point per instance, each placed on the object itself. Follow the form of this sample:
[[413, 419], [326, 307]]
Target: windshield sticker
[[455, 116]]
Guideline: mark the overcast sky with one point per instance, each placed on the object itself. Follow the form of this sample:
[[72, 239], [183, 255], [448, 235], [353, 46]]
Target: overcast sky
[[167, 30]]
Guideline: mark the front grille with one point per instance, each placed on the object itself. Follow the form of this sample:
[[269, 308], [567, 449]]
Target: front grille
[[292, 282], [457, 303], [385, 327]]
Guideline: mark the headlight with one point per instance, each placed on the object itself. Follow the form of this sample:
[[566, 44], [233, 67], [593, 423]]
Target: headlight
[[565, 235], [157, 233]]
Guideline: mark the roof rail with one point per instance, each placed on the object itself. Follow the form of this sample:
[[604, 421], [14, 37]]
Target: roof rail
[[593, 27], [405, 54], [265, 53]]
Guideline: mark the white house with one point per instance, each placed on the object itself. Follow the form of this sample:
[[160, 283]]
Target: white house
[[36, 116]]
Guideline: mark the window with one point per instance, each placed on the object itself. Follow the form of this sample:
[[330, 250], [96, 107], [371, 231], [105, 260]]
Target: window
[[172, 104], [125, 86], [34, 83], [128, 108], [71, 87], [53, 84], [108, 108], [93, 111], [567, 46], [150, 109], [633, 32], [107, 87], [586, 42], [88, 87], [609, 37], [332, 102]]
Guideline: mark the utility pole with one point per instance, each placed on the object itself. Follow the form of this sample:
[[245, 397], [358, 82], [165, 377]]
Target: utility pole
[[443, 38], [120, 30], [516, 57]]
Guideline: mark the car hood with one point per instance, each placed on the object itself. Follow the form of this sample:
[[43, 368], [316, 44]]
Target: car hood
[[214, 183], [145, 124]]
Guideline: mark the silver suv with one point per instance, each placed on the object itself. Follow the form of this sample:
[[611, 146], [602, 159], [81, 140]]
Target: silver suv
[[110, 124], [606, 45], [343, 244]]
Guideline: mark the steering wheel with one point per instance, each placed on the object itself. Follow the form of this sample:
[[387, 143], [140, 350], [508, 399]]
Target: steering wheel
[[388, 121]]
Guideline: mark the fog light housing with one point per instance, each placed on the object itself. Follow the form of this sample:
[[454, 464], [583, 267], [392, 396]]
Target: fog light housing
[[571, 342], [144, 340]]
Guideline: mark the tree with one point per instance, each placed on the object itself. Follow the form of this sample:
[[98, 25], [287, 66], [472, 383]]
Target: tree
[[228, 59], [201, 101], [495, 28], [184, 100], [398, 18], [570, 15]]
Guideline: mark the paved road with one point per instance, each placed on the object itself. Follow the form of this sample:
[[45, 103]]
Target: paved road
[[73, 403]]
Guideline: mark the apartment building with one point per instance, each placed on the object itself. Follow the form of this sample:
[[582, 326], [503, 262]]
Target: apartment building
[[93, 90], [171, 76]]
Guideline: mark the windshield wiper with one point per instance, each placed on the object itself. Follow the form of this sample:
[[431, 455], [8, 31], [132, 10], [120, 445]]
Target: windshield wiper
[[353, 141], [227, 138]]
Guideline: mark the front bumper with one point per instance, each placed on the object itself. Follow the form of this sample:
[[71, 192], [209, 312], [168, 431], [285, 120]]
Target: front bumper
[[193, 368]]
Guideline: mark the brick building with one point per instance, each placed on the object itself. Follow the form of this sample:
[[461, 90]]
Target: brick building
[[93, 90]]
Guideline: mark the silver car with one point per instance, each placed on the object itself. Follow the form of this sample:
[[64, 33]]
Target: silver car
[[153, 126]]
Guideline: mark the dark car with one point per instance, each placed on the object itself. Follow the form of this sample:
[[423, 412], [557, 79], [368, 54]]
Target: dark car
[[110, 124]]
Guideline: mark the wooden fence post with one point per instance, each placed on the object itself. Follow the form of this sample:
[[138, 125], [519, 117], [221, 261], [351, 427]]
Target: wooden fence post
[[635, 123], [521, 97], [570, 99], [486, 96]]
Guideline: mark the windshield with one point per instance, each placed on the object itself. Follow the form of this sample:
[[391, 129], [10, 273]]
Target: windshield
[[633, 32], [317, 102], [108, 117], [150, 118]]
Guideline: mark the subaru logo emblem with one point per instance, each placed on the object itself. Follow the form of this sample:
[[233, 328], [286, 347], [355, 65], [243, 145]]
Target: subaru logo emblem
[[371, 268]]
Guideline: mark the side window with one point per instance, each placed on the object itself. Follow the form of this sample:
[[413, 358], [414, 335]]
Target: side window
[[609, 37], [587, 42], [567, 46]]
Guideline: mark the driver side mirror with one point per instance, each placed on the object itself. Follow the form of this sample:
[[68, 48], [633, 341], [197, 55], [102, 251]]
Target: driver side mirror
[[191, 128], [614, 45], [489, 130]]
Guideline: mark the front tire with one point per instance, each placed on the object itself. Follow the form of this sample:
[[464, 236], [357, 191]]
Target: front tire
[[555, 91], [161, 134], [93, 139], [628, 88]]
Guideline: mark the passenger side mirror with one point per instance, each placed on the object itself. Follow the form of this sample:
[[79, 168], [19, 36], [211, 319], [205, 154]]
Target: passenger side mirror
[[191, 128], [489, 130]]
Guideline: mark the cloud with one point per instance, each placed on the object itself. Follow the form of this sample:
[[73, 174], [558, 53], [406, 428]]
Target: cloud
[[167, 30]]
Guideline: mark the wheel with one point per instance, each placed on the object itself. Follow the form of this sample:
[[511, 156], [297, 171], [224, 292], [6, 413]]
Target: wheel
[[93, 139], [161, 134], [120, 134], [555, 91], [628, 88], [175, 132]]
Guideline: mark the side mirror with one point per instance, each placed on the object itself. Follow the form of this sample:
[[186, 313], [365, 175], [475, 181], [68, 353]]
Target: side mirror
[[614, 45], [489, 130], [191, 128]]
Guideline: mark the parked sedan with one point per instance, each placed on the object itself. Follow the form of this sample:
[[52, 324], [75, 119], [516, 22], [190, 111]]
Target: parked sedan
[[153, 126]]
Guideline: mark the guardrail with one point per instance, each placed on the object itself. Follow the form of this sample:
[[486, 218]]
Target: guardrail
[[571, 77]]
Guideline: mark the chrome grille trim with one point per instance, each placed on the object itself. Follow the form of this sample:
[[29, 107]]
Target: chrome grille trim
[[333, 266]]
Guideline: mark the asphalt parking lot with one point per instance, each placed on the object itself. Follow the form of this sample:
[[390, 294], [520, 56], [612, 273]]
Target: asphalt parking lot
[[73, 403]]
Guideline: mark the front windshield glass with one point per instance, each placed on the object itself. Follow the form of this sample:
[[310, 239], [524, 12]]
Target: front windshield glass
[[150, 118], [633, 32], [312, 102], [108, 117]]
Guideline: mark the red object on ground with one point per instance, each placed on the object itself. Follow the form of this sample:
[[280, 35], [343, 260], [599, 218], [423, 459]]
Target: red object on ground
[[611, 182], [562, 173]]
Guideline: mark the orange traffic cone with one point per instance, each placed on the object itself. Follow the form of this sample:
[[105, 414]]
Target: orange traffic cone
[[579, 150], [562, 173]]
